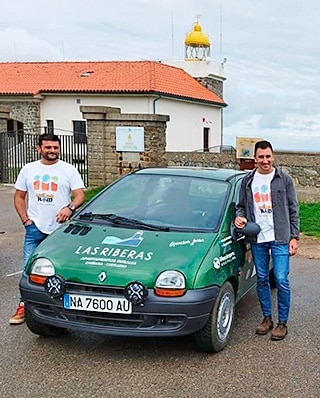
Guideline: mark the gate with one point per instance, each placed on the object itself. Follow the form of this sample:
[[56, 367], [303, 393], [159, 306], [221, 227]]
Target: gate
[[18, 149]]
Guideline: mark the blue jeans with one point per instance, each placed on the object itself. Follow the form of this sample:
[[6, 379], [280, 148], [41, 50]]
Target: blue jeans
[[280, 257], [32, 239]]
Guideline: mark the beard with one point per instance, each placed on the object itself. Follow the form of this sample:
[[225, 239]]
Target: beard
[[50, 157]]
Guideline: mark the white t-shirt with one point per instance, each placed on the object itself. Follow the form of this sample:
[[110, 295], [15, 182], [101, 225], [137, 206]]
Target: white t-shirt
[[262, 204], [49, 189]]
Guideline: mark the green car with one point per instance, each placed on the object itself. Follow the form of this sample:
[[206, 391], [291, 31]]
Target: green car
[[153, 254]]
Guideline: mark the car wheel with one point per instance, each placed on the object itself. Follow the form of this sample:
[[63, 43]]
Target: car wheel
[[217, 332], [40, 328]]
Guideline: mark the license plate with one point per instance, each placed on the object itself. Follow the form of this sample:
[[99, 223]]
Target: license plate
[[97, 304]]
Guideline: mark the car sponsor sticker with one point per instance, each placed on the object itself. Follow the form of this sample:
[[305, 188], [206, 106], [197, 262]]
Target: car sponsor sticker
[[189, 242], [222, 261], [227, 241], [132, 241]]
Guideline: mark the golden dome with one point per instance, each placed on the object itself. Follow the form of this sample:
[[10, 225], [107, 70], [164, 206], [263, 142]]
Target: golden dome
[[196, 38]]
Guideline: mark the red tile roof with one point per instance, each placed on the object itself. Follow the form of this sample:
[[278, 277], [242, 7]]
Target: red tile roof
[[142, 77]]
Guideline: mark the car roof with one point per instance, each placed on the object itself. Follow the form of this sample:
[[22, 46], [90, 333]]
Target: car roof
[[203, 172]]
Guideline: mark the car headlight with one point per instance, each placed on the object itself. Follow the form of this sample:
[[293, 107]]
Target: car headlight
[[40, 270], [170, 284]]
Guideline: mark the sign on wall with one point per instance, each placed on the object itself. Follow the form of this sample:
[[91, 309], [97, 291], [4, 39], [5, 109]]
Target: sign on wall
[[245, 147], [129, 139]]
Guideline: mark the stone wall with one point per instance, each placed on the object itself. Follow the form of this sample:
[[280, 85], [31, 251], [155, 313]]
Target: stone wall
[[27, 112], [213, 84], [304, 167]]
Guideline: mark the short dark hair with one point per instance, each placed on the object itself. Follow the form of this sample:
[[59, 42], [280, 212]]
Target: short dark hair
[[48, 137], [262, 145]]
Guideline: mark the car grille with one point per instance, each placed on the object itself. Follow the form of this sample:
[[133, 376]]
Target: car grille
[[72, 287]]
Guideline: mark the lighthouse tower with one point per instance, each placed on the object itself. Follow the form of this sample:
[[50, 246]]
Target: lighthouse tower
[[197, 44]]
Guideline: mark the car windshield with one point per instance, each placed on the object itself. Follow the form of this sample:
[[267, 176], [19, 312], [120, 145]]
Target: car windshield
[[165, 202]]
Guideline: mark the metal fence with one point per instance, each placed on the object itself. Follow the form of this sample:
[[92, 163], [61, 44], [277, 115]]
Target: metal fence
[[18, 149]]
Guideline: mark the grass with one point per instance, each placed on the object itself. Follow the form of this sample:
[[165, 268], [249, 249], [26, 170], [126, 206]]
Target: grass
[[90, 193], [310, 219], [309, 214]]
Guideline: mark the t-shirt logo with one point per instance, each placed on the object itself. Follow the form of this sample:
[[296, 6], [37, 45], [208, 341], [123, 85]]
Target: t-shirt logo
[[44, 186], [263, 199]]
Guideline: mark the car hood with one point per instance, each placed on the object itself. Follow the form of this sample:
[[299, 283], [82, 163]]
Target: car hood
[[82, 253]]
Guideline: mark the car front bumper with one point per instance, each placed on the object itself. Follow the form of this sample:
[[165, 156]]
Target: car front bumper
[[159, 316]]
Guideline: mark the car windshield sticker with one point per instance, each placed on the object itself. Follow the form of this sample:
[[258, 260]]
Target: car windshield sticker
[[133, 241], [186, 242]]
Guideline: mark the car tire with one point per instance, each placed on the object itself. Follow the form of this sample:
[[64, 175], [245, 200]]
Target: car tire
[[217, 332], [42, 329]]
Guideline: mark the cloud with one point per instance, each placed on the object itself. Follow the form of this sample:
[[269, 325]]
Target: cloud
[[19, 45]]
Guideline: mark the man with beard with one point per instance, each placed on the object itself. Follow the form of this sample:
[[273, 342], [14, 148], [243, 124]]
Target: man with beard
[[54, 190]]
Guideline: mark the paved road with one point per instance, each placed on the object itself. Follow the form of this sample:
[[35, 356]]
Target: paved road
[[83, 365]]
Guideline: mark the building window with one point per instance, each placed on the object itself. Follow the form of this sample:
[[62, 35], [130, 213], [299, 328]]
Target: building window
[[10, 128], [50, 127], [79, 132], [206, 131]]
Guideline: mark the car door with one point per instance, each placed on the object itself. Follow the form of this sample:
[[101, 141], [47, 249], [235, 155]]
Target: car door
[[246, 268]]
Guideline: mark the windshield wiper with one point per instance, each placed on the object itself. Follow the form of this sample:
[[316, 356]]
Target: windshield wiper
[[122, 221]]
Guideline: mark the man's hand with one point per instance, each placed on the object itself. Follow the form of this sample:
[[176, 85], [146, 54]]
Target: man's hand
[[240, 222], [63, 215], [293, 246]]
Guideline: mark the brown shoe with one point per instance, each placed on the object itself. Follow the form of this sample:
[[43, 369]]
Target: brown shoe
[[280, 332], [265, 326]]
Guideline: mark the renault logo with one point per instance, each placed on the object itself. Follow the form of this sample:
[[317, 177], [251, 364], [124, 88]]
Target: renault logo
[[102, 277]]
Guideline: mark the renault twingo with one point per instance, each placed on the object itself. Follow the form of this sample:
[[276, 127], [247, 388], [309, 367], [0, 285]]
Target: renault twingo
[[153, 254]]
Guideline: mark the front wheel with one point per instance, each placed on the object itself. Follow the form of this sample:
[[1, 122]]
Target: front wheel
[[40, 328], [215, 335]]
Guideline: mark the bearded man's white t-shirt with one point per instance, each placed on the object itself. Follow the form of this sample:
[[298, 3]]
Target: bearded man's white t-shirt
[[262, 203], [49, 189]]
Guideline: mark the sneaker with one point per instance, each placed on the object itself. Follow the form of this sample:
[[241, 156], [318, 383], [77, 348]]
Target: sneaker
[[280, 332], [18, 317], [265, 326]]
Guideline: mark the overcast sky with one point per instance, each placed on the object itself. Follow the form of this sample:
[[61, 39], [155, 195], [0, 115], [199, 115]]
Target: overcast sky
[[272, 49]]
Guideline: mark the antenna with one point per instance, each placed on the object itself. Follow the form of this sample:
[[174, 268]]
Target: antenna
[[62, 48], [15, 51], [220, 31], [172, 45]]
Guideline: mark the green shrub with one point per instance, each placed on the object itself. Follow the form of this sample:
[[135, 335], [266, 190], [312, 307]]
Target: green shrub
[[310, 219]]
